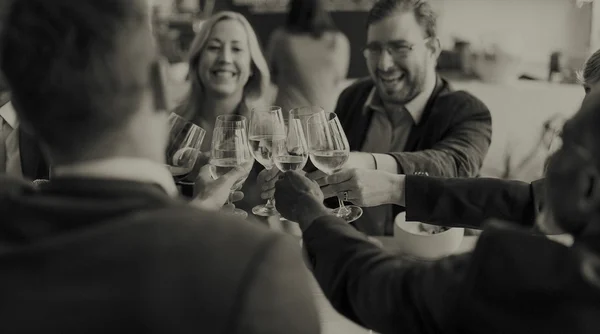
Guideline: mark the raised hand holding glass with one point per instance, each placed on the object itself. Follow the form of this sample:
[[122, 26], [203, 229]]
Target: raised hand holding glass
[[329, 151]]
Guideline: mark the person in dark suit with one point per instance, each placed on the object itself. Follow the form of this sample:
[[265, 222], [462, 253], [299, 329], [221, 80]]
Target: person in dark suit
[[106, 246], [514, 281], [405, 118]]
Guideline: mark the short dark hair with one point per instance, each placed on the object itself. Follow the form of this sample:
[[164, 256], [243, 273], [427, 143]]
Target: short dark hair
[[77, 69], [424, 13], [591, 69], [309, 17]]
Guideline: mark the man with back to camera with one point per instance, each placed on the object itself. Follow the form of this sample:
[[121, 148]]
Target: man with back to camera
[[105, 246]]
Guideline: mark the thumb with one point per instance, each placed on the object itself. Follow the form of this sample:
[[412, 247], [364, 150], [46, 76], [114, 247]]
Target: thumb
[[204, 176], [339, 177]]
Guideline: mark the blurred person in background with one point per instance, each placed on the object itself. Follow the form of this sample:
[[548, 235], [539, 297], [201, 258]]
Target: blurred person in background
[[514, 281], [404, 117], [106, 245], [308, 57]]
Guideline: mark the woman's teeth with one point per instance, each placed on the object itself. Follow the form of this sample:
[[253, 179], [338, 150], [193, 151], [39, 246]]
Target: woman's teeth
[[223, 74]]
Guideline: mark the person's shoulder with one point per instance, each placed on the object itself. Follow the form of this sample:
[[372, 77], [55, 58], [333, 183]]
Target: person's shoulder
[[358, 86], [460, 99]]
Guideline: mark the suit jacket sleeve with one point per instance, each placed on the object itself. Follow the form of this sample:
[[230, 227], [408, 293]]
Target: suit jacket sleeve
[[277, 297], [467, 202], [463, 147], [379, 290]]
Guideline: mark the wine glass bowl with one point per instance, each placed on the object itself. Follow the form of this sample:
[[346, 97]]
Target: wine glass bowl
[[329, 151], [183, 147], [291, 152]]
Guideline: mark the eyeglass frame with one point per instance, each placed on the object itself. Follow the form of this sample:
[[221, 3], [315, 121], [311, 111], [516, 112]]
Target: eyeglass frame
[[389, 48]]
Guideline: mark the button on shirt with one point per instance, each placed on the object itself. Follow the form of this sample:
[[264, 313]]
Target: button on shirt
[[10, 157], [389, 129]]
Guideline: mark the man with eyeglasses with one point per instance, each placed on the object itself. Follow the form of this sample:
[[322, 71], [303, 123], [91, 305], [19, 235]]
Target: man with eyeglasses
[[404, 117]]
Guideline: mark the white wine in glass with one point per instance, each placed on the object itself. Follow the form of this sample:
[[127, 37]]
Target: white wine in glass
[[329, 151], [291, 152], [230, 150], [266, 127]]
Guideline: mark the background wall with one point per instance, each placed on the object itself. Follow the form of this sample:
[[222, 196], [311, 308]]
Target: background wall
[[531, 28]]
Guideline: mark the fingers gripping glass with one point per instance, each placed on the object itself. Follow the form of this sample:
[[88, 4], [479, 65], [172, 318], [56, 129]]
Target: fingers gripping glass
[[266, 127], [329, 150], [230, 150]]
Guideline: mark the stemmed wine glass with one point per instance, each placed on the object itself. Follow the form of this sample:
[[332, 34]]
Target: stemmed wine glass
[[183, 148], [230, 150], [291, 152], [329, 150], [303, 114], [266, 126]]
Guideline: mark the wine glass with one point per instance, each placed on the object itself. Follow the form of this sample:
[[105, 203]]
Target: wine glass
[[230, 150], [291, 152], [236, 121], [303, 114], [329, 150], [183, 149], [266, 126]]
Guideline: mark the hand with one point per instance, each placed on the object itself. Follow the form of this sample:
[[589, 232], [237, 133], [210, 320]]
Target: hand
[[266, 181], [367, 187], [212, 194], [319, 177], [201, 161], [356, 160], [299, 199]]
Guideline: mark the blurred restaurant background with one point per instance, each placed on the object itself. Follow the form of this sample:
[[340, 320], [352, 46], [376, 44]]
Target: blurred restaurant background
[[521, 57]]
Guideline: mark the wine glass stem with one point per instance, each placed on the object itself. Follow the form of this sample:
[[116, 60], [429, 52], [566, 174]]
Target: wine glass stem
[[270, 203], [342, 209], [229, 197]]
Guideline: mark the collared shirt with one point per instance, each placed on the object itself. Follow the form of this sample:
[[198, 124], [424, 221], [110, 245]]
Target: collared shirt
[[389, 129], [10, 156], [121, 168]]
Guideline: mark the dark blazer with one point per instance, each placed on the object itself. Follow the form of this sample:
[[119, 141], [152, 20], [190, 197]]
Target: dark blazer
[[467, 202], [513, 282], [451, 140], [103, 256]]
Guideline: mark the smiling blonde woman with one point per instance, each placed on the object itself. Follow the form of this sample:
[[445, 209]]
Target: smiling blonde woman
[[228, 72]]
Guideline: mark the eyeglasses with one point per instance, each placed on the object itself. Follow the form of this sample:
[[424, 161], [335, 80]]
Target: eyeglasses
[[397, 49]]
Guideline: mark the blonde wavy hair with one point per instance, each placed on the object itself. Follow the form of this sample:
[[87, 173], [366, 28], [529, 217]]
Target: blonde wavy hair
[[258, 83]]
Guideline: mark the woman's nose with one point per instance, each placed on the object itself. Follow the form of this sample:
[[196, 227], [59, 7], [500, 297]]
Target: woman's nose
[[226, 55]]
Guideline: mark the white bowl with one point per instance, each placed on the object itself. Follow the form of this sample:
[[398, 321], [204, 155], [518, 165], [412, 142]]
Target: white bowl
[[425, 246]]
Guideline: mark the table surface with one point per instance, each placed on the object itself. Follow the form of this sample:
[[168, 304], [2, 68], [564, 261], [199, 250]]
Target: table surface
[[332, 322]]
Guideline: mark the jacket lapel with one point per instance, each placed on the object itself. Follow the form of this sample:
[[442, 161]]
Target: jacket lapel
[[417, 130]]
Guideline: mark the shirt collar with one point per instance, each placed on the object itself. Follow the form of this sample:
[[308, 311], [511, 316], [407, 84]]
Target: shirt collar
[[415, 107], [8, 114], [130, 169]]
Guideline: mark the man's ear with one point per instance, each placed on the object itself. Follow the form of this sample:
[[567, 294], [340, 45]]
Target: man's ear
[[434, 45]]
